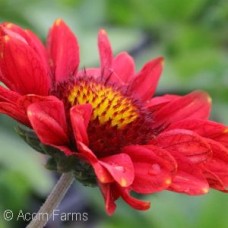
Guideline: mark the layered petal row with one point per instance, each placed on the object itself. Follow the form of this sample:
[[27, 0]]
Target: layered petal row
[[106, 122]]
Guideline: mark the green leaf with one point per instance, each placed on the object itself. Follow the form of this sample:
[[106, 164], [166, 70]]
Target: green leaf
[[20, 158]]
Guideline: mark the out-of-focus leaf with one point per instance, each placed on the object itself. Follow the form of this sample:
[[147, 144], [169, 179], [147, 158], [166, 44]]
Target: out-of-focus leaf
[[181, 38], [19, 157], [13, 198], [188, 64], [148, 13], [171, 210], [214, 211]]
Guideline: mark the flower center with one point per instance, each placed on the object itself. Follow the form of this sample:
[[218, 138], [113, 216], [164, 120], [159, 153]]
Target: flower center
[[109, 106], [117, 119]]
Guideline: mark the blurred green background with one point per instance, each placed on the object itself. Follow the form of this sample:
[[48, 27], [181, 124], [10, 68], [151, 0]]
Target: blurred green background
[[193, 38]]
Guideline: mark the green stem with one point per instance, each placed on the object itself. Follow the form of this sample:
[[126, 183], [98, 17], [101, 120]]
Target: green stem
[[52, 201]]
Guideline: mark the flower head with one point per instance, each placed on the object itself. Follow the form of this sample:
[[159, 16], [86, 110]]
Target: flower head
[[104, 123]]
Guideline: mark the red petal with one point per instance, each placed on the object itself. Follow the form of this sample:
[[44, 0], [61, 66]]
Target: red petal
[[124, 66], [13, 111], [185, 142], [37, 45], [28, 37], [102, 174], [13, 31], [15, 105], [222, 137], [110, 194], [133, 202], [63, 51], [24, 101], [160, 101], [189, 178], [8, 95], [105, 49], [117, 167], [145, 83], [218, 166], [194, 105], [207, 129], [80, 116], [154, 168], [214, 181], [190, 182], [48, 121], [21, 67], [120, 168]]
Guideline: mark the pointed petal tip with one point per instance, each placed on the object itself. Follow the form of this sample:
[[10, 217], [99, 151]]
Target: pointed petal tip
[[103, 32], [105, 49], [168, 181], [124, 66], [9, 25], [120, 167], [6, 38], [103, 179], [58, 21], [134, 202], [124, 182], [110, 209], [159, 60], [205, 190], [145, 83], [225, 130], [29, 113], [163, 62], [6, 25], [209, 99], [103, 35], [203, 95], [63, 51]]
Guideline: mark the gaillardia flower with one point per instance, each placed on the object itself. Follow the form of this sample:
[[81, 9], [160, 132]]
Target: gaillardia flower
[[104, 124]]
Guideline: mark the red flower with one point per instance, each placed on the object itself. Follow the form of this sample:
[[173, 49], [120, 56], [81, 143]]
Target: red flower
[[107, 118]]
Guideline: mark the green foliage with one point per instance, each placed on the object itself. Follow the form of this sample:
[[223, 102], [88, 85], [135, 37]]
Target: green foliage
[[149, 13]]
